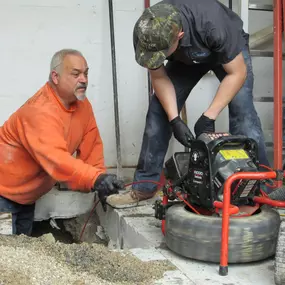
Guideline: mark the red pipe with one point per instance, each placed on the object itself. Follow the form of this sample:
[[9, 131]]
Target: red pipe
[[163, 227], [164, 203], [191, 207], [274, 203], [226, 211], [146, 3], [278, 140], [233, 209]]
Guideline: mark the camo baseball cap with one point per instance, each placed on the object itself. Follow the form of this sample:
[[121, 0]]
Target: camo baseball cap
[[155, 32]]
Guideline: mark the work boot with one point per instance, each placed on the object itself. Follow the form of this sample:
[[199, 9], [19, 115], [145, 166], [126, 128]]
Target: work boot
[[129, 198]]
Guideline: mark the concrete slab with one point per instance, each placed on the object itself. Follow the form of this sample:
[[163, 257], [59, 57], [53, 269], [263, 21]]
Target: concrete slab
[[201, 273], [137, 229], [174, 278]]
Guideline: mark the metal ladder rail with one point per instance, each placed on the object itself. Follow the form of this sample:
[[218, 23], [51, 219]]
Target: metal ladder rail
[[278, 57]]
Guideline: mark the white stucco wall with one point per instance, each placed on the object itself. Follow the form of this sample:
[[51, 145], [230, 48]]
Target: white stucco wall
[[32, 30]]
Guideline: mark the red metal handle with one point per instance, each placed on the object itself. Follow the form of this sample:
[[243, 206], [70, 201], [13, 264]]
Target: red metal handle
[[264, 200], [232, 210], [164, 203], [226, 211]]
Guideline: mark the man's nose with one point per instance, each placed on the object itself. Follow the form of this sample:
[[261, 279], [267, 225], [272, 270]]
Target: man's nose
[[83, 78]]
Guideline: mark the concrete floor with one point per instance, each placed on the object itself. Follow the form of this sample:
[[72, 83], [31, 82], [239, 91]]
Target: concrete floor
[[137, 229]]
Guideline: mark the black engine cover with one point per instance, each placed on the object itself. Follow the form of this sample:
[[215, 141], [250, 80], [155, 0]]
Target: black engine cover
[[212, 159]]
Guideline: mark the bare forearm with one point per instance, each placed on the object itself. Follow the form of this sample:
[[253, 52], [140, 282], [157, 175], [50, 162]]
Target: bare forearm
[[165, 93], [227, 90]]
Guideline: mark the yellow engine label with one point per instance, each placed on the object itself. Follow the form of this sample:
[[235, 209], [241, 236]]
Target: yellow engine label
[[234, 154]]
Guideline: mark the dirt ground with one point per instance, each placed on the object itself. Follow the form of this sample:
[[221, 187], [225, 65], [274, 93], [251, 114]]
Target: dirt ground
[[45, 261]]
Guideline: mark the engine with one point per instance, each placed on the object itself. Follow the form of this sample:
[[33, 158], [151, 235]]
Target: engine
[[202, 172]]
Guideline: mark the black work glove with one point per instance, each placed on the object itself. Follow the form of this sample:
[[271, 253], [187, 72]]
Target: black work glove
[[204, 125], [181, 131], [105, 185]]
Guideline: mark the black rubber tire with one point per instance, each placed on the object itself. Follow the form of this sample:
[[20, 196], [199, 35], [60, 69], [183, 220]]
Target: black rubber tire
[[279, 274], [198, 237]]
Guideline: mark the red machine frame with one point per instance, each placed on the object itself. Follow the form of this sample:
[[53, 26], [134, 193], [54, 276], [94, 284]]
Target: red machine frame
[[228, 209]]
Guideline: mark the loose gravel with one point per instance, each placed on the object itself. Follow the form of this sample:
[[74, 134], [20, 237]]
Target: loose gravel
[[45, 261]]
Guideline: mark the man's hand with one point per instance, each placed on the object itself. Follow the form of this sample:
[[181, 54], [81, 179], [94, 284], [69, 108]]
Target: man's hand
[[204, 125], [105, 185], [181, 131]]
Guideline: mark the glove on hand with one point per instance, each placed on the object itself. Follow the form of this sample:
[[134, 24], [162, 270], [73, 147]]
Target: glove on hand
[[204, 125], [181, 131], [105, 185]]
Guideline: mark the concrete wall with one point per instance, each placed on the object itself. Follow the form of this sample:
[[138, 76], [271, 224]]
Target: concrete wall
[[31, 31]]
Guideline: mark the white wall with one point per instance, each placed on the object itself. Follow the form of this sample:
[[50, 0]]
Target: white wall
[[32, 30]]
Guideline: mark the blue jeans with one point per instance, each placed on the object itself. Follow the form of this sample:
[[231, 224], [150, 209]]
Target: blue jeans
[[243, 118], [22, 216]]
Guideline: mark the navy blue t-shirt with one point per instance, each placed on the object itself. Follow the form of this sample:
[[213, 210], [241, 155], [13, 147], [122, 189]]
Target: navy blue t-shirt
[[213, 33]]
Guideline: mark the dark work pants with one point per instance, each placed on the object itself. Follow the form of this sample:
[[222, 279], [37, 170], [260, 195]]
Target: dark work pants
[[22, 216], [243, 118]]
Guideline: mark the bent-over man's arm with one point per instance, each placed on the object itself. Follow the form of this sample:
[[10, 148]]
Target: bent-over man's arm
[[229, 87], [226, 42], [164, 91]]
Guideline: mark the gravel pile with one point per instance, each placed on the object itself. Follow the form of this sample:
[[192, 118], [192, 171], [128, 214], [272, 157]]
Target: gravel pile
[[43, 261]]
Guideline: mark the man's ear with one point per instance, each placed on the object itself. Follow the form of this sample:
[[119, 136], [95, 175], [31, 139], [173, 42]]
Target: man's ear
[[180, 35], [54, 77]]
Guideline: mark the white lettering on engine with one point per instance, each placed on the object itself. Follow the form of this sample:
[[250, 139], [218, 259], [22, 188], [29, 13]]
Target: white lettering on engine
[[248, 188], [198, 172]]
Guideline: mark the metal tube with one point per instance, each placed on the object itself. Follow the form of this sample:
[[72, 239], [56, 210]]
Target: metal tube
[[267, 201], [231, 4], [146, 3], [115, 89], [233, 209], [244, 13], [278, 140], [164, 203]]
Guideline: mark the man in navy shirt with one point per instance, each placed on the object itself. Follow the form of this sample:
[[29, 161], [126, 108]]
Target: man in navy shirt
[[194, 36]]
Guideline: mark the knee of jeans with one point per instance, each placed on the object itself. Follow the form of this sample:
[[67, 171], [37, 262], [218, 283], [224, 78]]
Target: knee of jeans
[[242, 104], [157, 125], [249, 126]]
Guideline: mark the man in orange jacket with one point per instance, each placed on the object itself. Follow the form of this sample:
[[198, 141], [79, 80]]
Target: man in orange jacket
[[38, 141]]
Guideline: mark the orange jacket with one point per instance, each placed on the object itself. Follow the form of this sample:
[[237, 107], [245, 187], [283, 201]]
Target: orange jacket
[[37, 143]]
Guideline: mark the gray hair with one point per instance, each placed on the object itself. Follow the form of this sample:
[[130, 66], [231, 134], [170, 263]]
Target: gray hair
[[58, 58]]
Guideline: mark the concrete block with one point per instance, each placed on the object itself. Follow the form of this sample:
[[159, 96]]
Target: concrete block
[[63, 205], [132, 227]]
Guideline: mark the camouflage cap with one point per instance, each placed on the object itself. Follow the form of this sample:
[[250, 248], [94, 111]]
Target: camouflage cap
[[155, 32]]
